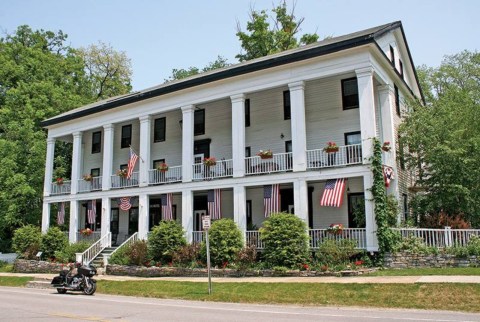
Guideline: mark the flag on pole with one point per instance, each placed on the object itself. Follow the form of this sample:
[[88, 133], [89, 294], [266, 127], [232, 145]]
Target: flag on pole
[[125, 203], [271, 199], [91, 211], [131, 163], [333, 193], [215, 203], [388, 175], [61, 213], [166, 200]]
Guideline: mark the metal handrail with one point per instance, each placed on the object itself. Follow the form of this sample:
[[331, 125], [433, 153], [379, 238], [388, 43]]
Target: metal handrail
[[87, 256]]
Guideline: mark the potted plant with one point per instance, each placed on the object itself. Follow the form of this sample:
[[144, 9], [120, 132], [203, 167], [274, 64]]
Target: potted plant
[[122, 173], [386, 146], [87, 177], [209, 162], [163, 167], [265, 154], [59, 181], [86, 232], [331, 147], [335, 229]]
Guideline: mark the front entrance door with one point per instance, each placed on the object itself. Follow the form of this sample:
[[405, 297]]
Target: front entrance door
[[200, 209], [155, 213]]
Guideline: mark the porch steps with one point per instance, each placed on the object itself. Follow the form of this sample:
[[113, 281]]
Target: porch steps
[[98, 261]]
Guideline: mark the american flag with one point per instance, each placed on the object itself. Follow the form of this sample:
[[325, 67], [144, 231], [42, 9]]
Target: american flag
[[215, 203], [166, 200], [333, 193], [91, 211], [124, 203], [271, 199], [131, 163], [61, 213]]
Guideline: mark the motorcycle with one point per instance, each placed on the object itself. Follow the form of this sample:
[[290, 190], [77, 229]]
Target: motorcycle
[[80, 281]]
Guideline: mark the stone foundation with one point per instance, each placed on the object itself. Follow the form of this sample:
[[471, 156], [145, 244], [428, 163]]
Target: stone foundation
[[33, 266], [410, 260]]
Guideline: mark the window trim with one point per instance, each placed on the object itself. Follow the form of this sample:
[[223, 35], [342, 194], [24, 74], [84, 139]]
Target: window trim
[[287, 105], [162, 137], [343, 81], [397, 100], [99, 143], [247, 112], [400, 67], [124, 139], [248, 152], [95, 170], [157, 162], [392, 55], [198, 128], [288, 142]]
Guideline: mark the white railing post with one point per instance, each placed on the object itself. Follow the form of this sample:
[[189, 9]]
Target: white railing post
[[448, 236]]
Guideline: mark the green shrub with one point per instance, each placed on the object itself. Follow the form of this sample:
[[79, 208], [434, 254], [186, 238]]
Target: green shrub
[[26, 241], [414, 245], [119, 257], [458, 251], [286, 240], [54, 240], [332, 252], [187, 256], [246, 257], [225, 242], [67, 255], [137, 253], [473, 246], [164, 240]]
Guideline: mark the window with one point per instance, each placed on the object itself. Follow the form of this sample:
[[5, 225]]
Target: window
[[288, 146], [405, 206], [123, 166], [392, 55], [96, 142], [248, 152], [159, 130], [95, 172], [353, 142], [397, 100], [248, 208], [156, 163], [400, 66], [401, 154], [349, 93], [247, 112], [356, 210], [132, 221], [286, 105], [199, 122], [126, 136]]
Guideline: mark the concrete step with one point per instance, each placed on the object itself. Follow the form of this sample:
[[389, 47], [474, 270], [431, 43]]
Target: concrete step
[[42, 283]]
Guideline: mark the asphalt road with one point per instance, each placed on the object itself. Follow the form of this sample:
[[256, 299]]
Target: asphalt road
[[19, 304]]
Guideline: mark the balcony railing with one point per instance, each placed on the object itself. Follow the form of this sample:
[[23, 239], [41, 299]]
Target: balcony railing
[[121, 182], [346, 155], [222, 169], [61, 189], [93, 237], [173, 174], [280, 162], [86, 186]]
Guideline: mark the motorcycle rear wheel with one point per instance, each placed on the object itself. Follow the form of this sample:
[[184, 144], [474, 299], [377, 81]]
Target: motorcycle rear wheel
[[61, 290], [89, 290]]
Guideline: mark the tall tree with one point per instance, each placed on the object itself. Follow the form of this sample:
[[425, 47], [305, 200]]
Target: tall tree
[[220, 62], [262, 39], [443, 137]]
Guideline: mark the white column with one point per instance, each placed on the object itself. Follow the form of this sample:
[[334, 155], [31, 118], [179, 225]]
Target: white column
[[47, 186], [367, 111], [145, 134], [106, 215], [187, 142], [370, 224], [76, 161], [240, 208], [300, 199], [143, 210], [74, 212], [45, 217], [297, 122], [238, 134], [108, 132], [187, 214]]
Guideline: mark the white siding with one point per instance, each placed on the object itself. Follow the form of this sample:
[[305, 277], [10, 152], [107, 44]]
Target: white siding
[[91, 161], [171, 148]]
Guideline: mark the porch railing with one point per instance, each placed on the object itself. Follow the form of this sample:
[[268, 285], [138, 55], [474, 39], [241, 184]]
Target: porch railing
[[92, 238], [61, 189], [127, 242], [440, 238], [280, 162], [121, 182], [253, 238], [346, 155], [318, 236], [87, 256], [173, 174], [222, 169], [198, 237], [86, 186]]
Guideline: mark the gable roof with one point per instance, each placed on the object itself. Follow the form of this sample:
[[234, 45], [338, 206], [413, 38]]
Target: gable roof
[[320, 48]]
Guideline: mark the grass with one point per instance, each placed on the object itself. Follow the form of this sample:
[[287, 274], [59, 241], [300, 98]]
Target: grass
[[14, 280], [427, 271], [7, 268], [455, 297]]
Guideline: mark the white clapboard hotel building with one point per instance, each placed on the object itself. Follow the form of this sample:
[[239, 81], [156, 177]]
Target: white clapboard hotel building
[[345, 90]]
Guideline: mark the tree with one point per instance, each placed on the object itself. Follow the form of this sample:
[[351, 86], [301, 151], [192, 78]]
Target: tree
[[443, 138], [220, 62], [262, 39], [108, 71]]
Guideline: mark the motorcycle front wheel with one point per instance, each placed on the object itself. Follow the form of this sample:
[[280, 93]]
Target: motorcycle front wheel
[[90, 289], [61, 290]]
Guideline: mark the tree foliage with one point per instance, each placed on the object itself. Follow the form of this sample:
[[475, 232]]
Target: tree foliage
[[262, 39], [181, 73], [443, 139]]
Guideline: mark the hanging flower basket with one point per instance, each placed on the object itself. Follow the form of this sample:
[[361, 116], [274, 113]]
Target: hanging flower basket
[[163, 167], [265, 154], [386, 146], [59, 181], [210, 162], [86, 232], [122, 173], [335, 229], [87, 177], [331, 147]]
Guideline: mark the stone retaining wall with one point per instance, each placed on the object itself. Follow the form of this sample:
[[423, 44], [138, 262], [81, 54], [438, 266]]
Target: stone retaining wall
[[34, 266], [410, 260]]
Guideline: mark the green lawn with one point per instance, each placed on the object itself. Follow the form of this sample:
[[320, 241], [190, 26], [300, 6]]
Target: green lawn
[[14, 280], [8, 268], [455, 297], [427, 271]]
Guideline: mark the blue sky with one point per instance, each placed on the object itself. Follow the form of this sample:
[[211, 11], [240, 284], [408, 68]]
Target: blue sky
[[161, 35]]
